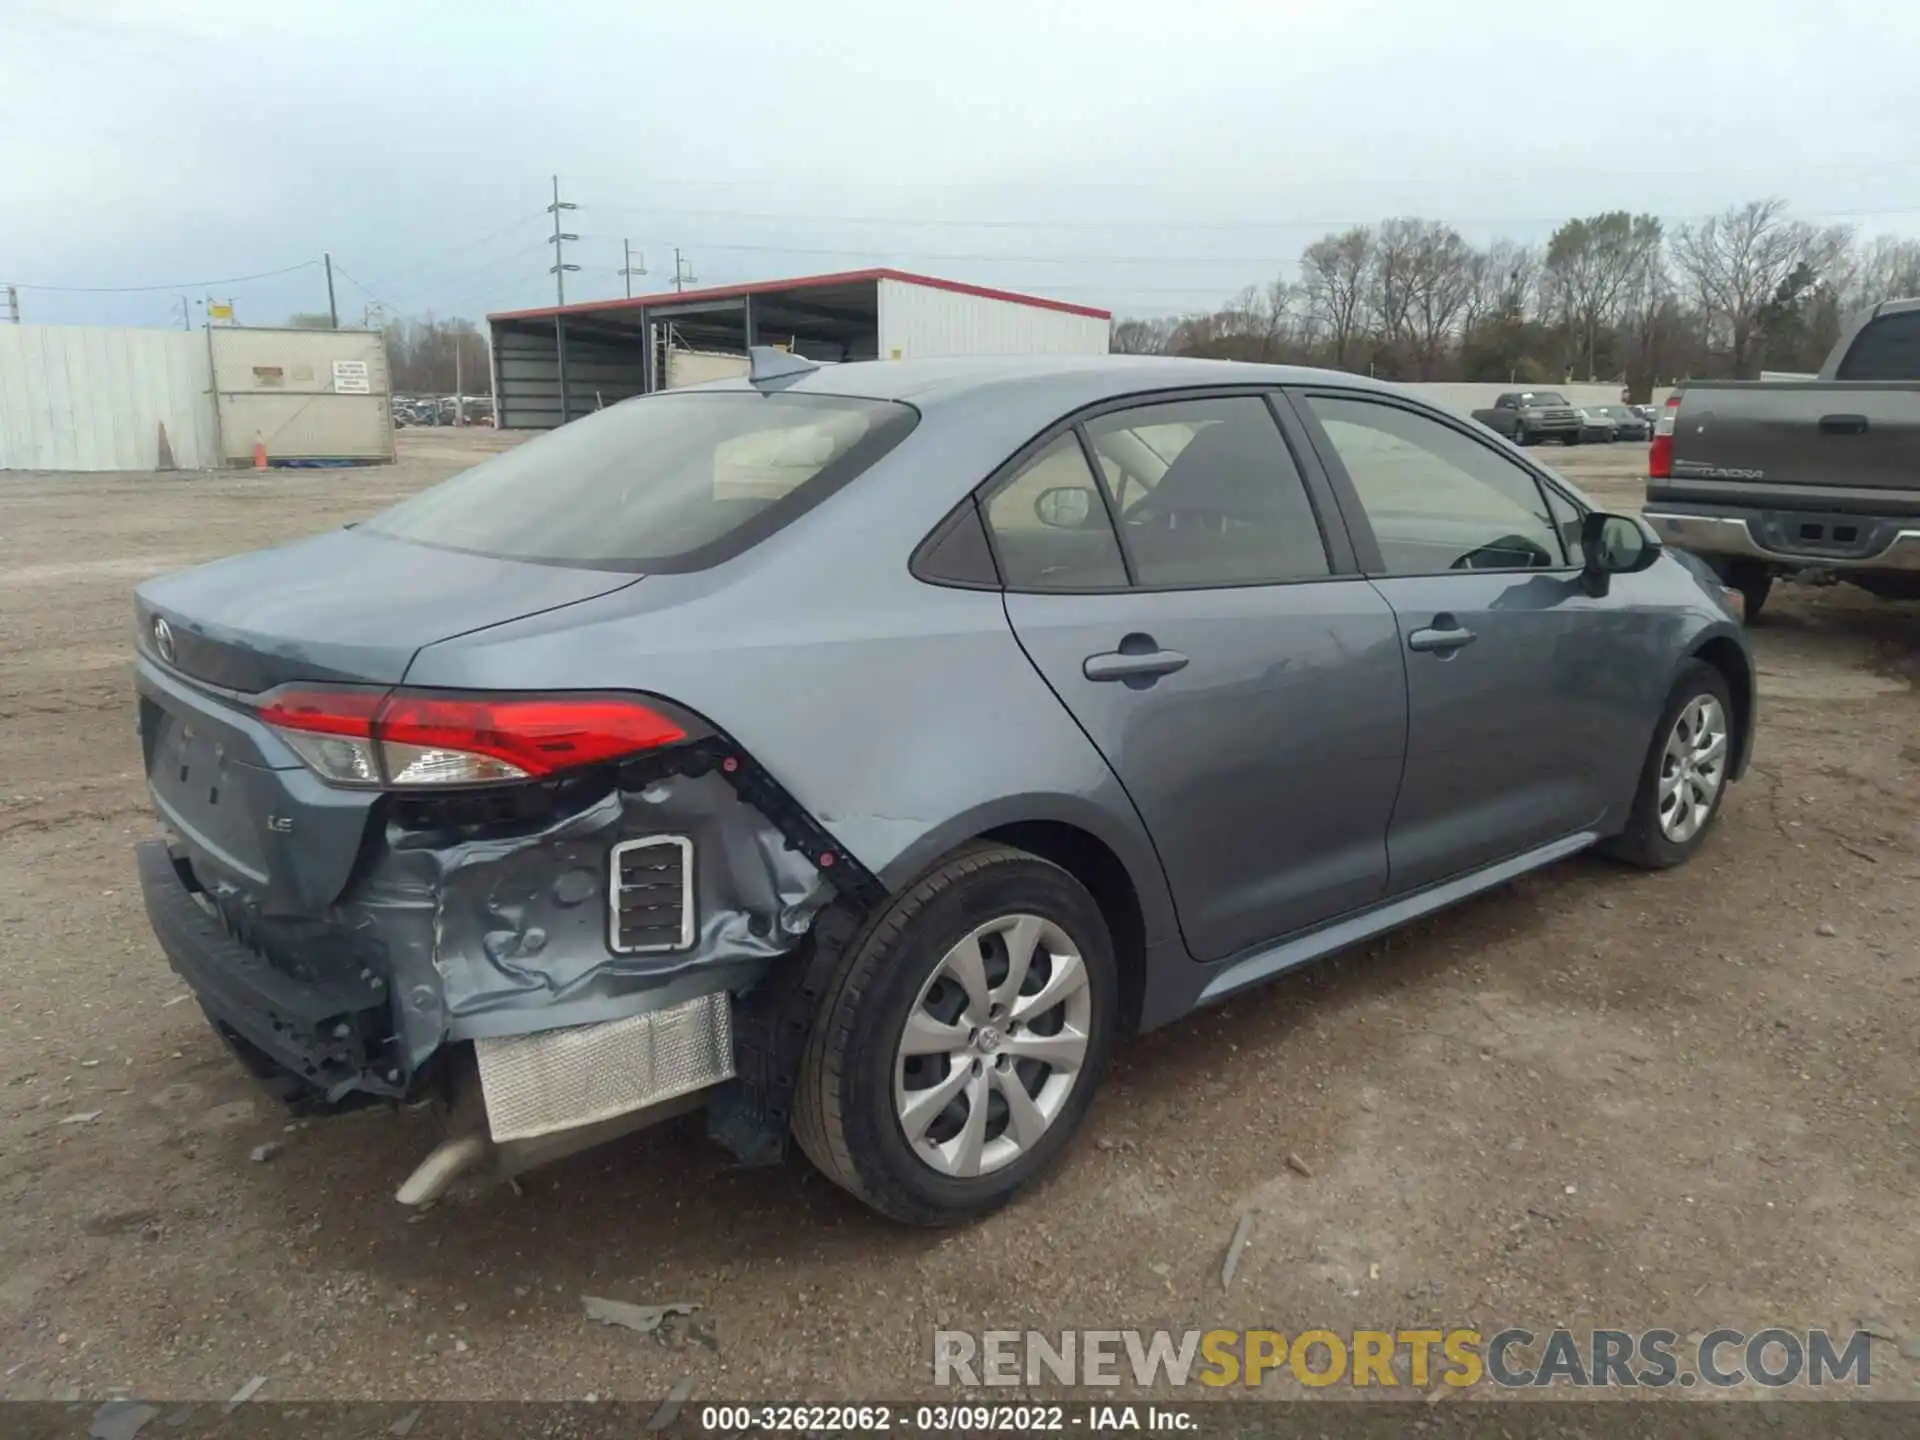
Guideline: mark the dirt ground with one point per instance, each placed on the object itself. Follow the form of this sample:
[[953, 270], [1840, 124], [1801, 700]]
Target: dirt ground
[[1594, 1097]]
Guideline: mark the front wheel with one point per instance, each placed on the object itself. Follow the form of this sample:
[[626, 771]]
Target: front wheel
[[1521, 437], [959, 1044], [1684, 778]]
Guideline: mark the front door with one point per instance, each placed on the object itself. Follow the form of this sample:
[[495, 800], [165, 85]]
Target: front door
[[1516, 714], [1251, 700]]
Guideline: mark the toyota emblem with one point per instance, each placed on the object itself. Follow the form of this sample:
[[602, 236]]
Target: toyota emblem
[[163, 639]]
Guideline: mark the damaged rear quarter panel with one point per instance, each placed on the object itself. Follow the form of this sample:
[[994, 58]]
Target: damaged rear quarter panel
[[505, 930]]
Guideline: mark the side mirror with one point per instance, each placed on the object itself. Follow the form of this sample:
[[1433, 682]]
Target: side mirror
[[1064, 507], [1615, 545]]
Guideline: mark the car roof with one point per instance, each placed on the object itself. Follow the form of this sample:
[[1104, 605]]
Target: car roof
[[1069, 379]]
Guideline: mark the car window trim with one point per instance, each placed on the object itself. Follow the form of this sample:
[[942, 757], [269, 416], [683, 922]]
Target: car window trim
[[1366, 545], [1335, 540]]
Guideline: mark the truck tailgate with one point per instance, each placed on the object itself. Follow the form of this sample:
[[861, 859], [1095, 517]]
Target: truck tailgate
[[1799, 444]]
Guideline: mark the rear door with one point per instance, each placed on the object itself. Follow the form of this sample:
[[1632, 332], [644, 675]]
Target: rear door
[[1211, 637], [1520, 728]]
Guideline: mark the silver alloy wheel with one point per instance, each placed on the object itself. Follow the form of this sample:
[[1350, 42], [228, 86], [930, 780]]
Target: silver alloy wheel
[[1692, 768], [993, 1046]]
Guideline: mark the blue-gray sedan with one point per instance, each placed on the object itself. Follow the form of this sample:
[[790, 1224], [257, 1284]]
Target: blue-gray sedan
[[859, 752]]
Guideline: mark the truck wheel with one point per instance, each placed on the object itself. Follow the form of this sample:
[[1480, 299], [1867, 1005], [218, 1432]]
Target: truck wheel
[[1684, 778], [1755, 583], [959, 1045], [1520, 436], [1572, 437]]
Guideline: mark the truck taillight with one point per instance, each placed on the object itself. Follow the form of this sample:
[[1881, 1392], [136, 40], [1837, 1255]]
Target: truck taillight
[[1660, 452], [412, 738]]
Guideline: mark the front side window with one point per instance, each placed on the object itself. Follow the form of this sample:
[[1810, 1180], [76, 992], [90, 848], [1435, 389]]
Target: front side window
[[668, 482], [1435, 499], [1208, 494], [1050, 527]]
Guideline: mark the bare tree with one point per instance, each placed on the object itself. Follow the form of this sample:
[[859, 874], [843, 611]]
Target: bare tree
[[1888, 269], [1440, 283], [1734, 265], [1588, 265], [1505, 278], [1390, 282], [1141, 337], [1334, 273]]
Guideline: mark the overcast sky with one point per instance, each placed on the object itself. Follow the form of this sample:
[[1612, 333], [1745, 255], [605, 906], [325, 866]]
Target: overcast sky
[[1140, 155]]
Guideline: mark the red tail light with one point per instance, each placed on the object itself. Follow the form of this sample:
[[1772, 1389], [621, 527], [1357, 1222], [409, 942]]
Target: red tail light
[[362, 737], [1660, 452]]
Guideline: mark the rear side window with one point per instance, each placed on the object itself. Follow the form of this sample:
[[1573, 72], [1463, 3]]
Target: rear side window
[[1887, 349], [1050, 527], [669, 482], [1208, 494]]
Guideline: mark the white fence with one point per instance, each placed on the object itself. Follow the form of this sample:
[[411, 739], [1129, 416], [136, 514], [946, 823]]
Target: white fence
[[76, 397]]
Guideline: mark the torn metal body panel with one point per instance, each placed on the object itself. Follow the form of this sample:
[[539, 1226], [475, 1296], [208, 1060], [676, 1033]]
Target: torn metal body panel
[[503, 934]]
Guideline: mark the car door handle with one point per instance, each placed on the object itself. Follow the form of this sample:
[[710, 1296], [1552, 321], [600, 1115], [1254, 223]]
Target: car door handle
[[1138, 665], [1843, 424], [1444, 639]]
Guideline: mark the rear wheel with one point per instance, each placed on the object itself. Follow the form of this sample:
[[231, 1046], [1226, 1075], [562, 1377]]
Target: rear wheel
[[1684, 778], [1572, 437], [959, 1045]]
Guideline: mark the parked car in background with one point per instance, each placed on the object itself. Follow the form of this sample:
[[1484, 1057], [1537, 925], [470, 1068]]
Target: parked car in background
[[1624, 421], [1527, 416], [1595, 427], [867, 749], [1816, 479]]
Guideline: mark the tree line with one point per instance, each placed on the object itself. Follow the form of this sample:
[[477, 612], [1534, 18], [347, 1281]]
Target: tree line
[[424, 357], [1609, 297]]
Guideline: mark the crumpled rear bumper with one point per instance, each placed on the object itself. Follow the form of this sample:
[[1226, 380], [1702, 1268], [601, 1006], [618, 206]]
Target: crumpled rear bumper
[[330, 1036]]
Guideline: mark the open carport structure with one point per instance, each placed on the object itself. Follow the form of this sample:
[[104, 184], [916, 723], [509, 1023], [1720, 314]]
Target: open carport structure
[[558, 363]]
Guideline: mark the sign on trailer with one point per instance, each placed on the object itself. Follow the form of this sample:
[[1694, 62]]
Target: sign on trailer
[[350, 378]]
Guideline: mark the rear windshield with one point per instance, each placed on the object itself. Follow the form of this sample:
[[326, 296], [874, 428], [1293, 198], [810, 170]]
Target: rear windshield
[[667, 482]]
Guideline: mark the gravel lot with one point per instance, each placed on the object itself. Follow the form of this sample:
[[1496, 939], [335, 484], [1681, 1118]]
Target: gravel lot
[[1594, 1097]]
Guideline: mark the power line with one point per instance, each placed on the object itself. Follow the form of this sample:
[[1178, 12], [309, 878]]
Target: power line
[[459, 250], [1289, 225], [176, 285]]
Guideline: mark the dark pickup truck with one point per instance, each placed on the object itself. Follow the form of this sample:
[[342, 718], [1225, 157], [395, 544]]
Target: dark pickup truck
[[1524, 416], [1816, 479]]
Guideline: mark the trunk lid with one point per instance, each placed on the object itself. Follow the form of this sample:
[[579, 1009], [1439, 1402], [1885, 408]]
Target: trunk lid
[[342, 607], [349, 605]]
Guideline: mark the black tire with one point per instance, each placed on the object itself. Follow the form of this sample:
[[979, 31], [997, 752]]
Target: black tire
[[1520, 436], [1643, 843], [844, 1112], [1755, 583], [1572, 437]]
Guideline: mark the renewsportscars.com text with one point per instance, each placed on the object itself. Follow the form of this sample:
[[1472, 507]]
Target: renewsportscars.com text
[[1511, 1359]]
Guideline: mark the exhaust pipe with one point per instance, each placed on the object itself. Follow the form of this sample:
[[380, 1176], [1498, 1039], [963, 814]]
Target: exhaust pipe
[[445, 1163]]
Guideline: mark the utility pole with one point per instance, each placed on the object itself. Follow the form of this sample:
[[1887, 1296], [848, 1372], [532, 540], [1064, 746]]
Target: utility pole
[[186, 322], [333, 310], [13, 306], [560, 267], [630, 269], [683, 275]]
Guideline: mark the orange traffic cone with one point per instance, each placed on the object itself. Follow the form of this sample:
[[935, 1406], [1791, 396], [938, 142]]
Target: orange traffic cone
[[259, 453]]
